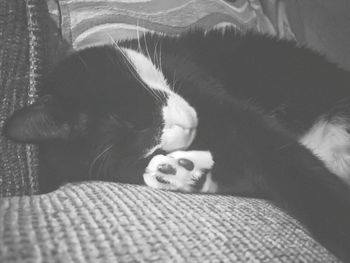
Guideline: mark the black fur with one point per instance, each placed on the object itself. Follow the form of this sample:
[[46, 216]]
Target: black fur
[[254, 96]]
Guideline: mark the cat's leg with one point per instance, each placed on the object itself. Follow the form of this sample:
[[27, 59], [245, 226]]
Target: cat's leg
[[329, 139], [185, 171]]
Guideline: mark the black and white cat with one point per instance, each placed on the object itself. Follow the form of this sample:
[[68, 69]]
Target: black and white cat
[[218, 112]]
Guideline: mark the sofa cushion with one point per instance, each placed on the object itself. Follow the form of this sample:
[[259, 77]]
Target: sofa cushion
[[21, 58], [110, 222]]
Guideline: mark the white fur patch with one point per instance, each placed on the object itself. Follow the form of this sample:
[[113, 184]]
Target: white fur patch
[[180, 119], [180, 123], [183, 179], [330, 141], [210, 186], [147, 71], [201, 159]]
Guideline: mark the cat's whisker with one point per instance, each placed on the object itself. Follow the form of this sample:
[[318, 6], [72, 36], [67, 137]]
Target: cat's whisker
[[161, 94], [180, 86], [111, 38], [98, 156], [151, 91], [160, 55], [115, 44], [116, 119], [132, 71], [155, 55], [138, 35], [103, 168], [157, 62], [174, 83], [145, 42], [159, 97], [83, 62]]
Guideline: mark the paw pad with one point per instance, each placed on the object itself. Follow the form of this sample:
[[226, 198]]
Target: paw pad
[[166, 168], [187, 164], [186, 171]]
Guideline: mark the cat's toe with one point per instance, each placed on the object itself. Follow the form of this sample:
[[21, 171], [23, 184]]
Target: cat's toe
[[194, 170], [159, 171]]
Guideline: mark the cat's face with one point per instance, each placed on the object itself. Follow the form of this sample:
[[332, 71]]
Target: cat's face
[[105, 100], [179, 119]]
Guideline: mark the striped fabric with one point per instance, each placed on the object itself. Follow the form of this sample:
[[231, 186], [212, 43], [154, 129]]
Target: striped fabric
[[83, 23], [109, 222]]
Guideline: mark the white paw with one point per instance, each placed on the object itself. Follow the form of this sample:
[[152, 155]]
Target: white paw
[[185, 171], [330, 141]]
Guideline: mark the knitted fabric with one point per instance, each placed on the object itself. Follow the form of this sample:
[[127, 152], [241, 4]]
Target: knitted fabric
[[109, 222], [19, 68]]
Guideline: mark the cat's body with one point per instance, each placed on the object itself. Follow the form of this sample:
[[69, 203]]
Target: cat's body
[[202, 112]]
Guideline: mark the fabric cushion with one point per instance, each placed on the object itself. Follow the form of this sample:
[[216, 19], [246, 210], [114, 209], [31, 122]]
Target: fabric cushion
[[21, 58], [109, 222]]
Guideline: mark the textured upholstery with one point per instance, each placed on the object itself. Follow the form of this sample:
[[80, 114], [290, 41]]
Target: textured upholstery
[[20, 66], [108, 222]]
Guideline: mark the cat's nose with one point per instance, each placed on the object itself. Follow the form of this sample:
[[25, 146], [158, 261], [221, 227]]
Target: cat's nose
[[166, 169]]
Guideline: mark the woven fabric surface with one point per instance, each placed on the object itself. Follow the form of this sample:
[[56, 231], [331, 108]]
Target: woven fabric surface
[[18, 162], [109, 222]]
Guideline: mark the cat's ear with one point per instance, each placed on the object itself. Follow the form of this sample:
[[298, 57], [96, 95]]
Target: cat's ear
[[40, 121]]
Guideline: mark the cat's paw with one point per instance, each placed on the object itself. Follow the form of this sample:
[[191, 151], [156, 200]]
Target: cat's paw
[[185, 171], [330, 141]]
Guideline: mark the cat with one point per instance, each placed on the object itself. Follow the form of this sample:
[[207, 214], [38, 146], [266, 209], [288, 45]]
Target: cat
[[207, 111]]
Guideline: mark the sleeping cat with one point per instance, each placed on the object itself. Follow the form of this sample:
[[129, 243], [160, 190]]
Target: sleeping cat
[[212, 112]]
